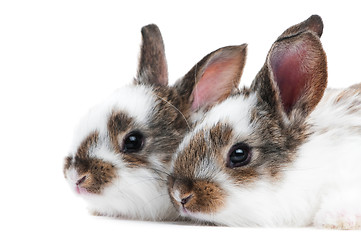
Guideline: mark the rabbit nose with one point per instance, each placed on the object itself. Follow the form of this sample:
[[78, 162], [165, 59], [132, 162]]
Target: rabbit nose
[[80, 181], [186, 199]]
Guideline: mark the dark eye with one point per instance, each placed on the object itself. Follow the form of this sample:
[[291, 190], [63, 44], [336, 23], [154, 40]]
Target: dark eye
[[133, 142], [239, 155]]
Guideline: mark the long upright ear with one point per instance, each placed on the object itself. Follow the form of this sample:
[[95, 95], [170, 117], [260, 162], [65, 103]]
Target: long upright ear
[[213, 78], [152, 67], [313, 24], [294, 76]]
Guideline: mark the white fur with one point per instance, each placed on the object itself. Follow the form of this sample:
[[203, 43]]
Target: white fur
[[235, 111], [323, 185], [136, 193]]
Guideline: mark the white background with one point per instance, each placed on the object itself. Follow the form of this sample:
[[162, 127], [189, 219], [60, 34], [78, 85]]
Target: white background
[[59, 58]]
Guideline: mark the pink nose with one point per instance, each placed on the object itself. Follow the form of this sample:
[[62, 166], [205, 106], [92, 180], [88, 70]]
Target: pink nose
[[80, 181]]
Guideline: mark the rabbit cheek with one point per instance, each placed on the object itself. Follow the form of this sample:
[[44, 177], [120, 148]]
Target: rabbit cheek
[[134, 161], [244, 176]]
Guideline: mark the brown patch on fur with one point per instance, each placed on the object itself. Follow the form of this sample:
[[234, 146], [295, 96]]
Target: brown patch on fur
[[187, 161], [203, 196], [244, 176], [135, 160], [97, 173], [220, 135], [118, 124], [83, 149]]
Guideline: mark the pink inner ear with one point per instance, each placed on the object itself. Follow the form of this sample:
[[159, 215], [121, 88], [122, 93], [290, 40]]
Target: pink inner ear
[[289, 66], [215, 82]]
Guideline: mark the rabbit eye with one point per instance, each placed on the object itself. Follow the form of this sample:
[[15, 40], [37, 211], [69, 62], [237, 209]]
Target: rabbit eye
[[133, 142], [239, 155]]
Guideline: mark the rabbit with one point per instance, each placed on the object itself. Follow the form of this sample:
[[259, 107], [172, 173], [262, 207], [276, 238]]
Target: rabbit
[[120, 155], [284, 152]]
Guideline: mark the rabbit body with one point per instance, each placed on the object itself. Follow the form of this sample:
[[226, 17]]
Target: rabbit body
[[284, 152]]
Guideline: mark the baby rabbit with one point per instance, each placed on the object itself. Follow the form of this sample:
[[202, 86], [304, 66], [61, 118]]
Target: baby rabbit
[[283, 152], [122, 148]]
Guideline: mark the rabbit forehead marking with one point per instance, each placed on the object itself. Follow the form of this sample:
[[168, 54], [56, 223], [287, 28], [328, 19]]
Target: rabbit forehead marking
[[198, 155]]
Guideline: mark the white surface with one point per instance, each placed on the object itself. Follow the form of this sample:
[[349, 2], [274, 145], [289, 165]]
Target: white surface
[[59, 58]]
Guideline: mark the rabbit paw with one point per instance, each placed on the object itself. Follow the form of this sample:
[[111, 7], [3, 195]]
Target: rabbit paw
[[340, 209], [338, 219]]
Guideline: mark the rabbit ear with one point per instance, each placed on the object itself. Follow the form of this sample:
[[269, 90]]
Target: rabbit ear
[[213, 78], [152, 67], [294, 76], [313, 24]]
